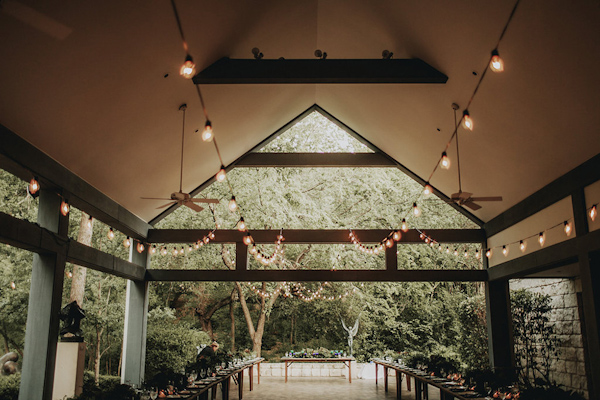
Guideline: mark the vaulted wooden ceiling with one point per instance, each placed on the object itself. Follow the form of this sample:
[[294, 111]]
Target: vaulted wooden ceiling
[[87, 84]]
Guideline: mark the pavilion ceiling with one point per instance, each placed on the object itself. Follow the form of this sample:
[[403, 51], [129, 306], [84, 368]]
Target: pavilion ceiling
[[97, 99]]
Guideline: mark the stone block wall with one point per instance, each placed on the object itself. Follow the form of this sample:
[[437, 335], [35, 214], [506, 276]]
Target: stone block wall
[[569, 368]]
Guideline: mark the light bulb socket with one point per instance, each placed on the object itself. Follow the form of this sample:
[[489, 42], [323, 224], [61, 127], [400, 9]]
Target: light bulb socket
[[495, 53]]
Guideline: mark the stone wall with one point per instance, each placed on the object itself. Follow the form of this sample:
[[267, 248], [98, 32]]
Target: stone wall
[[569, 368], [310, 369]]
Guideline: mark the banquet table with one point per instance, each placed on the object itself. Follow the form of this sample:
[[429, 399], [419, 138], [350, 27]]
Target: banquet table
[[201, 391], [448, 389], [347, 361]]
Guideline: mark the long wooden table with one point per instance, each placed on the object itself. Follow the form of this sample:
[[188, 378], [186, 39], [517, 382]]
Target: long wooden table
[[346, 360], [422, 383], [225, 381]]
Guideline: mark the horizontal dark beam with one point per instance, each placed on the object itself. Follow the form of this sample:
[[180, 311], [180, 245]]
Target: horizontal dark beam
[[558, 255], [416, 275], [324, 236], [22, 159], [232, 71], [315, 160], [89, 257], [580, 177], [29, 236]]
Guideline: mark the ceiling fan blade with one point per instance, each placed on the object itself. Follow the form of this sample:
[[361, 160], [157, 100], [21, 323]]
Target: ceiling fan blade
[[472, 205], [215, 201], [166, 205], [490, 198], [154, 198], [193, 206], [460, 195]]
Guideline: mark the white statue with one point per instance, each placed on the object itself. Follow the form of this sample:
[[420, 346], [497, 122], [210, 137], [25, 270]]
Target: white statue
[[351, 332]]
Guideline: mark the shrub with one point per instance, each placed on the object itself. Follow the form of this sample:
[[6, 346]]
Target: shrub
[[9, 387]]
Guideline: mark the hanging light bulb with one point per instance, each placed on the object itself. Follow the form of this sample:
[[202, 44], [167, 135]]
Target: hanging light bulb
[[253, 250], [140, 247], [466, 253], [127, 242], [153, 249], [232, 204], [181, 251], [488, 253], [404, 226], [447, 250], [416, 210], [64, 207], [89, 222], [523, 246], [13, 286], [427, 190], [207, 133], [467, 120], [593, 212], [197, 245], [211, 235], [175, 252], [477, 255], [455, 252], [164, 251], [397, 236], [389, 243], [542, 238], [568, 228], [505, 251], [496, 63], [220, 177], [241, 225], [188, 69], [69, 275], [110, 234], [248, 239], [205, 240], [445, 161], [34, 186]]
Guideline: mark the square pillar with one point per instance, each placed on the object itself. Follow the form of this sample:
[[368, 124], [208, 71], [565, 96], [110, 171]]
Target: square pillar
[[136, 319], [500, 329], [45, 297], [589, 269]]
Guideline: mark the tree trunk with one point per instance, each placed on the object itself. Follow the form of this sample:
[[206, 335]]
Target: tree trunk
[[292, 330], [84, 237], [232, 317], [97, 357]]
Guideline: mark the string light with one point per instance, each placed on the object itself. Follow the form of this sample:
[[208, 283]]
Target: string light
[[568, 229], [488, 253], [188, 68], [593, 212], [207, 133], [164, 251], [416, 210], [523, 245], [64, 207], [13, 286], [232, 204], [542, 239], [467, 120], [505, 251], [445, 161], [496, 63], [127, 242], [221, 175], [241, 225], [140, 247], [404, 226], [110, 234], [427, 190], [153, 249], [466, 253], [175, 252], [248, 239], [181, 251], [477, 255], [89, 222], [69, 274], [397, 236], [34, 186]]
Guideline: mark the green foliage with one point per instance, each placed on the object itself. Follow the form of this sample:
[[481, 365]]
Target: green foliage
[[473, 344], [553, 392], [536, 343], [9, 386], [108, 388], [171, 344]]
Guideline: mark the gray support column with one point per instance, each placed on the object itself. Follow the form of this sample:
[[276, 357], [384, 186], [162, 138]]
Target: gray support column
[[136, 318], [45, 296], [499, 323]]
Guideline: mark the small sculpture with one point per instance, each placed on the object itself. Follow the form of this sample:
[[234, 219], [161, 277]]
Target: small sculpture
[[72, 315], [351, 332]]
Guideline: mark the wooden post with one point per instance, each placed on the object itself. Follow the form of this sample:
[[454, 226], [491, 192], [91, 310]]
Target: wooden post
[[499, 324], [45, 297]]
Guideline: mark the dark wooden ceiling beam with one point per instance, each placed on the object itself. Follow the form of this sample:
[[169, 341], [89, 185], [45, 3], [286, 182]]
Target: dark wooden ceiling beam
[[22, 159], [323, 236], [314, 160], [317, 71], [89, 257], [417, 275], [574, 180]]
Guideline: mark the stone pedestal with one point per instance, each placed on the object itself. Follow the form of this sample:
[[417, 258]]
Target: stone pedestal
[[68, 376]]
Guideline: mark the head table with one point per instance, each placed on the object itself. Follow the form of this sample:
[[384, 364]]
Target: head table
[[347, 361]]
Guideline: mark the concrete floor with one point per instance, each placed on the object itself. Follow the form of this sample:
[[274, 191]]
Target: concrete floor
[[320, 388]]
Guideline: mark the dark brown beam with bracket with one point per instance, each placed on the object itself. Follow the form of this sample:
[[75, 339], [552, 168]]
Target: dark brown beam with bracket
[[22, 159], [574, 180], [415, 275], [324, 236], [311, 71], [314, 160]]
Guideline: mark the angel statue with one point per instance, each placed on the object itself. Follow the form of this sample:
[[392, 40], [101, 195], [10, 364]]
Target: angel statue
[[351, 332]]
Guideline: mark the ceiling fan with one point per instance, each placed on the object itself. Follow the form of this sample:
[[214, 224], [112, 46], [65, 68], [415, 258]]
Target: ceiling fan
[[465, 198], [181, 198]]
